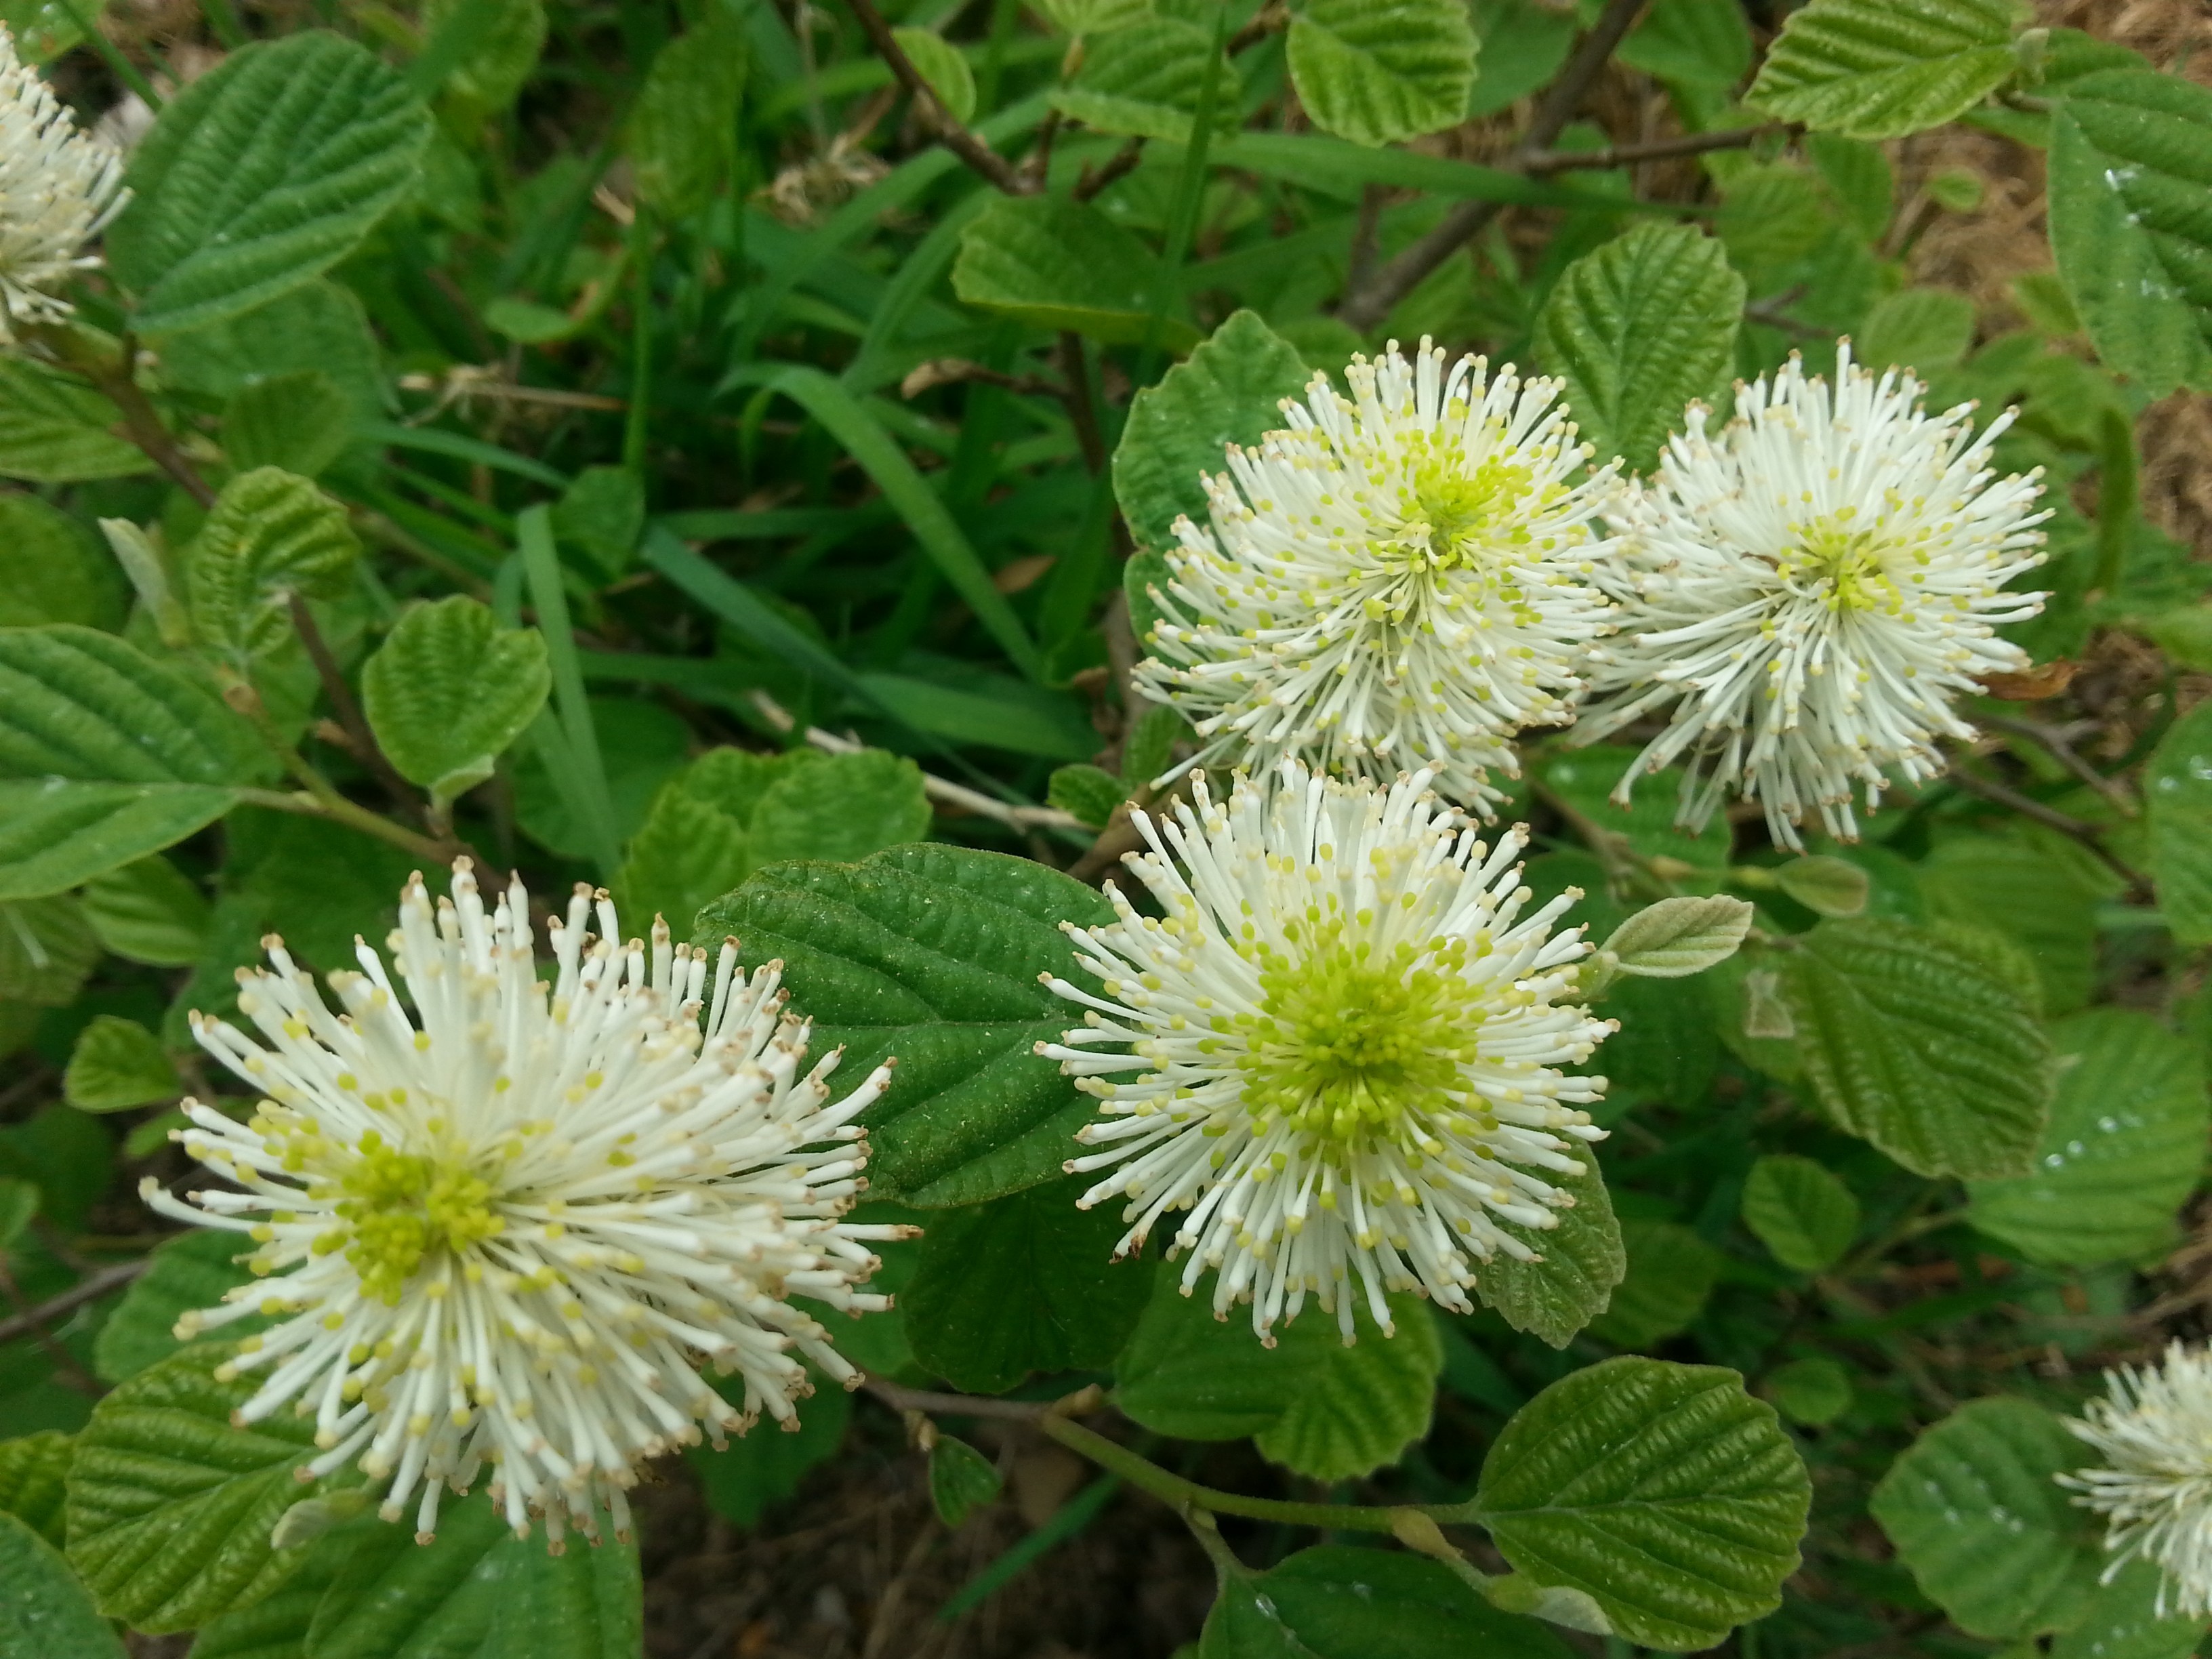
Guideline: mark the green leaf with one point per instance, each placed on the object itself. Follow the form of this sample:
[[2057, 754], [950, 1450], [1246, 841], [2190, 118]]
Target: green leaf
[[1146, 82], [2040, 900], [55, 836], [116, 1064], [389, 1595], [1665, 1493], [1091, 793], [1056, 263], [1380, 71], [1805, 1216], [185, 1274], [270, 533], [1585, 779], [262, 174], [931, 953], [2130, 161], [1690, 43], [584, 1604], [300, 421], [1827, 887], [1339, 1602], [170, 1506], [1913, 1045], [1814, 1392], [1228, 391], [1638, 329], [602, 514], [1372, 1400], [961, 1479], [53, 430], [276, 1626], [449, 689], [19, 1203], [682, 136], [1671, 1272], [51, 571], [44, 1611], [69, 1156], [1579, 1263], [1095, 16], [488, 56], [46, 952], [841, 809], [943, 67], [2178, 814], [34, 1469], [1022, 1283], [149, 911], [765, 1466], [1881, 68], [2122, 1150], [1678, 937], [1987, 1532], [1922, 329], [318, 326], [1149, 748], [2123, 1623]]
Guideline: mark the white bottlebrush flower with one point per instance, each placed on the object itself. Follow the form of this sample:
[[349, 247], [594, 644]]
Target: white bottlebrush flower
[[2156, 1489], [1398, 580], [505, 1235], [58, 188], [1340, 1047], [1804, 593]]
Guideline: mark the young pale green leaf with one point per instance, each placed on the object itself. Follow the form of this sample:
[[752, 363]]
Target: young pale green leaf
[[931, 953], [33, 1474], [1571, 1280], [764, 1466], [1881, 68], [1228, 391], [1144, 83], [943, 67], [2177, 812], [1923, 329], [683, 136], [1678, 937], [1671, 1272], [1091, 793], [1665, 1493], [1638, 329], [46, 951], [53, 430], [1805, 1216], [118, 1064], [44, 1611], [1381, 71], [449, 689], [300, 421], [2123, 1622], [1811, 1391], [1338, 1602], [601, 514], [1057, 264], [961, 1479], [1988, 1533], [1024, 1283], [271, 534], [184, 1274], [1827, 887], [262, 174], [2120, 1154], [2130, 162], [1372, 1400], [1912, 1044], [51, 571], [149, 911], [170, 1506]]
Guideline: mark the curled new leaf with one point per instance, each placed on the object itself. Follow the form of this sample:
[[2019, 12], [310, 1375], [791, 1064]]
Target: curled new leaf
[[449, 689]]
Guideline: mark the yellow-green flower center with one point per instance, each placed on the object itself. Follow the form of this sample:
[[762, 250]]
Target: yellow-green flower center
[[1347, 1041], [400, 1208], [1851, 562], [1454, 516]]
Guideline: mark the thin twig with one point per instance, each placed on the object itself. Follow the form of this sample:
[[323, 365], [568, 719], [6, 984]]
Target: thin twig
[[359, 737], [1368, 305], [118, 382], [1770, 311], [937, 789], [84, 1290], [2027, 806], [1546, 162], [1263, 24], [1121, 163], [2052, 741], [948, 371], [1076, 371], [1364, 232], [954, 136], [898, 1396]]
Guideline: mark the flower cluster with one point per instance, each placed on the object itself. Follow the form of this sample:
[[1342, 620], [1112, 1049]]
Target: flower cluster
[[503, 1235], [58, 189], [2155, 1430], [1339, 1049], [1803, 596], [1399, 579]]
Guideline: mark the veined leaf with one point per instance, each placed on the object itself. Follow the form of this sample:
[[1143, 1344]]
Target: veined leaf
[[1095, 16], [1664, 1492], [46, 1612], [1335, 1602], [1146, 82], [116, 1064], [1671, 1272], [184, 1275], [51, 570], [148, 911], [55, 431], [1639, 328], [46, 952], [1678, 937], [1057, 264], [1577, 1265], [449, 689], [1380, 71], [1912, 1044], [270, 533], [2178, 811], [59, 834], [1881, 68], [943, 67], [961, 1479], [34, 1471], [1805, 1216], [2123, 1622], [261, 175], [682, 136], [300, 421]]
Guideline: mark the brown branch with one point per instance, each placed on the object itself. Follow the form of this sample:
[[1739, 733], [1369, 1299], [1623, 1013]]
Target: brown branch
[[1265, 23], [2003, 794], [118, 382], [84, 1290], [361, 740], [1123, 162], [2052, 741], [954, 136], [1364, 232], [1076, 372], [1543, 163], [1371, 303]]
